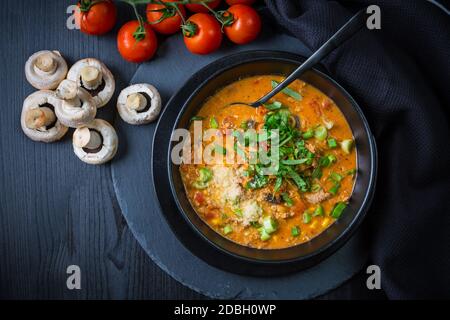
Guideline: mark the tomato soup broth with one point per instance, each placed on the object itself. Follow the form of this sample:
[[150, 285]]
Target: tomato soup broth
[[313, 183]]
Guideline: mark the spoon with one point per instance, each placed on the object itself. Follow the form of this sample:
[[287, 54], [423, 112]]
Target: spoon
[[345, 32]]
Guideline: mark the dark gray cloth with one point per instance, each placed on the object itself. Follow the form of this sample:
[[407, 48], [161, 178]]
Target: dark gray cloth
[[400, 76]]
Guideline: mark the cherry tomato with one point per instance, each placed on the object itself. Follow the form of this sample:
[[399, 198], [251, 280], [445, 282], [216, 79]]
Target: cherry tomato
[[171, 20], [246, 26], [201, 8], [133, 47], [202, 34], [96, 18], [246, 2]]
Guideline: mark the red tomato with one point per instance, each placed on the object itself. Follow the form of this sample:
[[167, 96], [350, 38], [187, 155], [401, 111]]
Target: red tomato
[[246, 26], [96, 18], [246, 2], [203, 34], [199, 198], [171, 20], [201, 8], [134, 50]]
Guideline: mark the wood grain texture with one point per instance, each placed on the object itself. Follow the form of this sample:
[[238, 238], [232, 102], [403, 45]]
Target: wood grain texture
[[55, 210]]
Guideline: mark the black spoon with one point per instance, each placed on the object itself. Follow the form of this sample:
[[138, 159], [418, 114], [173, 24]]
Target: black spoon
[[345, 32]]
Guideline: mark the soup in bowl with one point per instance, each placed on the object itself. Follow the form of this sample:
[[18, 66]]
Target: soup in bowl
[[280, 203], [289, 182]]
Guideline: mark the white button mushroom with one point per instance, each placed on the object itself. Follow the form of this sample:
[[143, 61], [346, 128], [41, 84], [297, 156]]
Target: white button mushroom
[[44, 70], [95, 77], [95, 143], [78, 107], [38, 120], [139, 104]]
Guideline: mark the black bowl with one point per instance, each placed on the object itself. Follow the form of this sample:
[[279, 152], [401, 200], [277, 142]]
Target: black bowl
[[193, 232]]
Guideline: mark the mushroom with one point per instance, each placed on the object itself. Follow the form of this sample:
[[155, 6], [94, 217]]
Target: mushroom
[[95, 77], [77, 108], [44, 70], [139, 104], [38, 120], [95, 143]]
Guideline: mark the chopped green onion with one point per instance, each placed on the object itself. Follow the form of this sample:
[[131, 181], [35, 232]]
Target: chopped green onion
[[200, 185], [335, 188], [332, 143], [244, 125], [294, 162], [273, 106], [295, 231], [320, 133], [319, 211], [287, 199], [317, 173], [227, 229], [288, 91], [219, 149], [264, 235], [306, 217], [205, 174], [350, 172], [338, 209], [213, 123], [269, 224], [308, 134], [299, 181], [197, 118], [347, 146], [327, 160], [335, 177], [278, 183]]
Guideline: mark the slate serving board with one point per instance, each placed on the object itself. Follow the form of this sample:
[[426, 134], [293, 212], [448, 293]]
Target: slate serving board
[[133, 185]]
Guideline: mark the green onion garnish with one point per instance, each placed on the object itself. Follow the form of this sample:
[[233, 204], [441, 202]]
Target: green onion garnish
[[295, 231], [273, 106], [306, 217], [288, 91], [319, 211], [287, 199], [320, 133], [347, 146], [338, 209], [294, 162], [227, 229], [332, 143], [269, 224], [213, 123], [308, 134]]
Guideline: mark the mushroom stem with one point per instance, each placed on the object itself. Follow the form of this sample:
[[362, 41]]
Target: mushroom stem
[[67, 90], [39, 117], [85, 138], [45, 64], [136, 101], [91, 77]]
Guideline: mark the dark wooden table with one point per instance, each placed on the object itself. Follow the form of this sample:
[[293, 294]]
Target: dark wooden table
[[55, 210]]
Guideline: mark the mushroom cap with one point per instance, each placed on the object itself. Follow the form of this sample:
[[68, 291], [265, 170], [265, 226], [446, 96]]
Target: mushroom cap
[[74, 116], [42, 80], [135, 117], [109, 147], [34, 101], [103, 97]]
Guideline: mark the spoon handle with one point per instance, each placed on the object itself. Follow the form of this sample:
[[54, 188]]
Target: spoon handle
[[345, 32]]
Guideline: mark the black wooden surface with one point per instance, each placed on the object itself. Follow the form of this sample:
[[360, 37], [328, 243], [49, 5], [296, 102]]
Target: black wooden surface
[[56, 211]]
